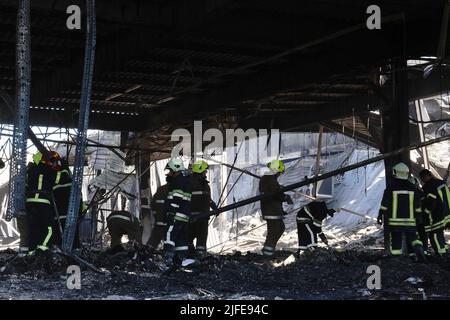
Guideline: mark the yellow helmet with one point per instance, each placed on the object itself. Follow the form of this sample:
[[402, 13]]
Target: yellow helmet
[[199, 166], [400, 171], [276, 165]]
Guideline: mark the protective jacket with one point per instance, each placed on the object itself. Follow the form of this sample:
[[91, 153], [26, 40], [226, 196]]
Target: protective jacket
[[401, 205]]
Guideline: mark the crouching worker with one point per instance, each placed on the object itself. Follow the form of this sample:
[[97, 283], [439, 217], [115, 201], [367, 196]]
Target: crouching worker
[[400, 208], [309, 225], [122, 223], [272, 207]]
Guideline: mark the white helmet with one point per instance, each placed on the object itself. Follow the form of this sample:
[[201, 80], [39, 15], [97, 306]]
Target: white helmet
[[175, 164], [400, 171]]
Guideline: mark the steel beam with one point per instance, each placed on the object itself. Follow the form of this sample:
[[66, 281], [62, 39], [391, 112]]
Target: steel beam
[[83, 123], [16, 204]]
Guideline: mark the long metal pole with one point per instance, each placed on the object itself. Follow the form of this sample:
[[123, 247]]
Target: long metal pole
[[16, 204], [83, 123], [319, 152]]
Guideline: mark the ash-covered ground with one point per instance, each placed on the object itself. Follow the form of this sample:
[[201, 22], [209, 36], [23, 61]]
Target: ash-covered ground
[[136, 274]]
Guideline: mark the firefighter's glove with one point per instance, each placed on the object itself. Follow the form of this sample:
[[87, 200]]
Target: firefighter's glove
[[323, 238]]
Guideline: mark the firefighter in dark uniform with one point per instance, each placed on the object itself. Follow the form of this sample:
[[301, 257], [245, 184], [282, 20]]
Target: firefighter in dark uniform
[[61, 195], [309, 224], [41, 175], [200, 204], [272, 207], [436, 207], [420, 221], [178, 207], [400, 208], [158, 207], [122, 223]]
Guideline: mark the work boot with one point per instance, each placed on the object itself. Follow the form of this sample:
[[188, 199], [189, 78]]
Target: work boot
[[188, 263], [168, 258]]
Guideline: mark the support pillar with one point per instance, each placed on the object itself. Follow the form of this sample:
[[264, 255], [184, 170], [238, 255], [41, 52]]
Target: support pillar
[[396, 124], [16, 203]]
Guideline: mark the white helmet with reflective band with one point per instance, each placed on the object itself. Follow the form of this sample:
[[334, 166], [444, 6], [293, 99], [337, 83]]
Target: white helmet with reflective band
[[400, 171], [175, 164]]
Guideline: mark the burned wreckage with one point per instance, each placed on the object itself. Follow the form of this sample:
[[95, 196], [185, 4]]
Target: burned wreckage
[[343, 194]]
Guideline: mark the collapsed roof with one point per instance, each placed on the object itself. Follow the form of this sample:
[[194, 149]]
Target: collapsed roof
[[249, 64]]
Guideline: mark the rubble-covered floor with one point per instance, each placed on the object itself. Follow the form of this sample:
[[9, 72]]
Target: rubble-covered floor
[[135, 274]]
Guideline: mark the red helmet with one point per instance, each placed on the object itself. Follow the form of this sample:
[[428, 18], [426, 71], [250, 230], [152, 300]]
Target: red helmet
[[54, 160]]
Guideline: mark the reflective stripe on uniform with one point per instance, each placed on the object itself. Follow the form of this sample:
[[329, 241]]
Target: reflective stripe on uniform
[[38, 200], [395, 202], [40, 180], [391, 250], [317, 223], [60, 217], [308, 212], [159, 201], [304, 219], [47, 238], [158, 223], [66, 185], [182, 248], [181, 217], [197, 192], [169, 240], [441, 250], [311, 233], [58, 177], [430, 195], [269, 251], [119, 217], [383, 208]]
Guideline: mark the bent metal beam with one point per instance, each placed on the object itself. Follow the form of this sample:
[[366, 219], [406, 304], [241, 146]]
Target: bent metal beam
[[327, 175]]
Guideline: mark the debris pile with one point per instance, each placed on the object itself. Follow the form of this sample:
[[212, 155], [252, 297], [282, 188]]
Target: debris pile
[[135, 273]]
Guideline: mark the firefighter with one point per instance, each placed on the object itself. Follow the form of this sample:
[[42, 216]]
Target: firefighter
[[178, 207], [159, 212], [400, 207], [423, 235], [200, 204], [61, 195], [122, 223], [436, 207], [272, 207], [41, 175], [309, 224]]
